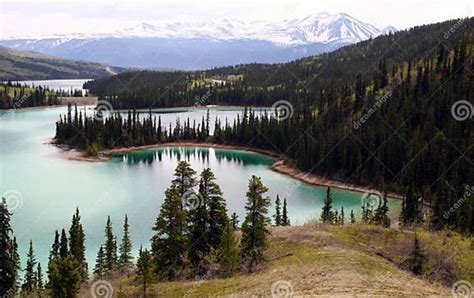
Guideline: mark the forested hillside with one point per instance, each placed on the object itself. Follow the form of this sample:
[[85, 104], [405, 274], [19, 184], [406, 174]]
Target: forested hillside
[[403, 126], [23, 65], [298, 81]]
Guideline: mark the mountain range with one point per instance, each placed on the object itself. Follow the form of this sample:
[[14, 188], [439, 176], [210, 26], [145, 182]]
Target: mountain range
[[210, 43]]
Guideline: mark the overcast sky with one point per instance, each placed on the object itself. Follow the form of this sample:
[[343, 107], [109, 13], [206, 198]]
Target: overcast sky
[[43, 17]]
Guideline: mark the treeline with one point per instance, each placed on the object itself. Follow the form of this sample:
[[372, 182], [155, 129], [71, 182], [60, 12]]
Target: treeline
[[299, 81], [194, 237], [16, 95], [382, 132]]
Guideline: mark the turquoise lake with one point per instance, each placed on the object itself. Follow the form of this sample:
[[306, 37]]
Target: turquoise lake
[[44, 187]]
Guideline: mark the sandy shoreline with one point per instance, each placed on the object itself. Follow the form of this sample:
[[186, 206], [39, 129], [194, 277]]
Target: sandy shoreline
[[280, 165]]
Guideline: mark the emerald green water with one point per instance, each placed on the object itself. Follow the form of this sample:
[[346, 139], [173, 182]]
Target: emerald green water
[[50, 186]]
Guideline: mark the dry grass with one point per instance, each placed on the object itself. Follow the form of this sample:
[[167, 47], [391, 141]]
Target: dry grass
[[354, 260]]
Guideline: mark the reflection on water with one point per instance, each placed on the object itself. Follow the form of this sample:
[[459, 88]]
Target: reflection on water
[[195, 154]]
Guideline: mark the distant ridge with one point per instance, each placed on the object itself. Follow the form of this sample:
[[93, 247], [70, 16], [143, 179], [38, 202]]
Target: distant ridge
[[27, 65], [210, 43]]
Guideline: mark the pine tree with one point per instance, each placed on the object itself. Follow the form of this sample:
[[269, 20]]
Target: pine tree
[[100, 267], [285, 220], [410, 208], [39, 278], [277, 211], [199, 231], [110, 248], [126, 258], [184, 180], [327, 215], [169, 241], [30, 281], [76, 243], [63, 245], [342, 215], [353, 219], [235, 221], [228, 254], [145, 269], [254, 227], [210, 191], [65, 277], [16, 263], [417, 258], [7, 264]]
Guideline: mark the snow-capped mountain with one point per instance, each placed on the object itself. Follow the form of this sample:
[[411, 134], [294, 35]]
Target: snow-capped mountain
[[321, 27], [220, 41]]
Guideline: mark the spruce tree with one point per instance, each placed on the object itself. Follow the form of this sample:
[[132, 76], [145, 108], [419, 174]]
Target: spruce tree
[[7, 264], [63, 245], [327, 215], [184, 179], [145, 269], [169, 241], [39, 278], [235, 221], [342, 215], [100, 267], [285, 220], [278, 221], [199, 231], [29, 281], [110, 248], [76, 243], [210, 191], [254, 227], [417, 258], [410, 208], [16, 263], [126, 258], [228, 254], [353, 220]]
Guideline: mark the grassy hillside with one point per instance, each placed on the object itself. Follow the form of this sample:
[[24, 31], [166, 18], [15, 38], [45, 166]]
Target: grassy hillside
[[337, 260], [20, 65]]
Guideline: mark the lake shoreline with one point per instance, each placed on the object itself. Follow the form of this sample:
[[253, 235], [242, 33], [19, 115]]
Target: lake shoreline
[[280, 165]]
